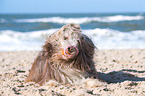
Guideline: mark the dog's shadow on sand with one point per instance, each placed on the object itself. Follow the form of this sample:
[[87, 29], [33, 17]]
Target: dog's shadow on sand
[[120, 76]]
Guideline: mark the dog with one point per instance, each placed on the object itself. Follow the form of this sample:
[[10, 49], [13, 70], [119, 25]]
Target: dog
[[66, 57]]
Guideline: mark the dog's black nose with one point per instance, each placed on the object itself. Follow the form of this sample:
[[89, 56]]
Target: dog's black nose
[[71, 49]]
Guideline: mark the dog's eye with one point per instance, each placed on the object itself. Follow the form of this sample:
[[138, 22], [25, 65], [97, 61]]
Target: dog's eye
[[65, 38], [83, 38]]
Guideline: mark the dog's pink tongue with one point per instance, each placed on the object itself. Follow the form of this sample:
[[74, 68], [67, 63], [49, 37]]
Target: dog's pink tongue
[[70, 51]]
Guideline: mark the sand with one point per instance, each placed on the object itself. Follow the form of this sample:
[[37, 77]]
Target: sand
[[122, 73]]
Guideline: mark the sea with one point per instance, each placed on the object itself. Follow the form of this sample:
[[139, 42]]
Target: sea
[[25, 32]]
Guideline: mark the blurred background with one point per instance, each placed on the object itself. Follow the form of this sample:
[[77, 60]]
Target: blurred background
[[112, 24]]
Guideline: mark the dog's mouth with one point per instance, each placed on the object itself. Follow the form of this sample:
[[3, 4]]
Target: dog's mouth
[[69, 52]]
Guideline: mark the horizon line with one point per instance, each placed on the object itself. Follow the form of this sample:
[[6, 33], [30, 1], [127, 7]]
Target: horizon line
[[80, 13]]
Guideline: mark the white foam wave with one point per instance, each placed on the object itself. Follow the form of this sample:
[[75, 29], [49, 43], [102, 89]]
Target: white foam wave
[[82, 20], [103, 39], [121, 18], [18, 41], [113, 39], [2, 20]]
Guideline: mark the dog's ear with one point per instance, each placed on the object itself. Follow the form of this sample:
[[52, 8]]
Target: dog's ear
[[84, 60], [47, 50], [89, 47], [40, 66]]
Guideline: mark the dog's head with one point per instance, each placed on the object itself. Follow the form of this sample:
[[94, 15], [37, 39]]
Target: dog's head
[[69, 39], [72, 42]]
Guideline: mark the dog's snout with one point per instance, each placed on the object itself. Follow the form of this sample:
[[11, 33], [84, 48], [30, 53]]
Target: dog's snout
[[70, 51]]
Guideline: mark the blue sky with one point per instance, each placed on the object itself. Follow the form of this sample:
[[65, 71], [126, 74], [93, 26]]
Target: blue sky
[[71, 6]]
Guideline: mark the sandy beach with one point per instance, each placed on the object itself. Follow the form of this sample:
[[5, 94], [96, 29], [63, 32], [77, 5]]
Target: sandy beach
[[122, 73]]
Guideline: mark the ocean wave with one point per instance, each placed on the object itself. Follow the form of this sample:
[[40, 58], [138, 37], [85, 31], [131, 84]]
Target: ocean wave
[[15, 36], [19, 41], [114, 39], [3, 20], [82, 20], [103, 39]]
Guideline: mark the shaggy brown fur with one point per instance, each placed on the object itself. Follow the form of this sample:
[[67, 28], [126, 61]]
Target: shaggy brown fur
[[66, 57]]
